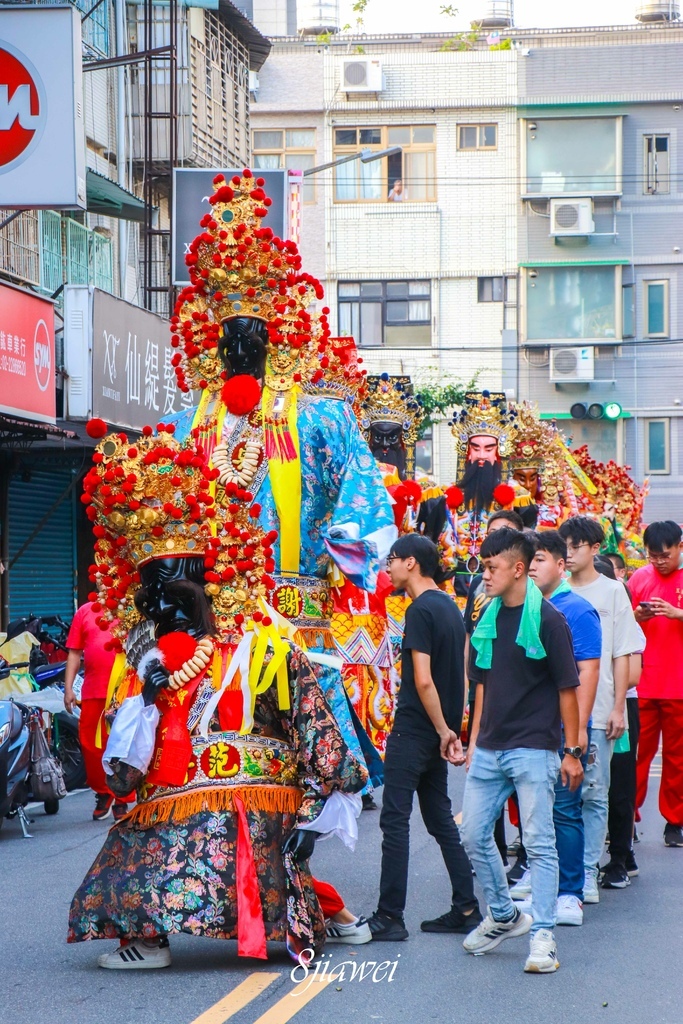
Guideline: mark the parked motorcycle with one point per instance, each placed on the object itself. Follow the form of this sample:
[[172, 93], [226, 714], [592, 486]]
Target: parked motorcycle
[[18, 723]]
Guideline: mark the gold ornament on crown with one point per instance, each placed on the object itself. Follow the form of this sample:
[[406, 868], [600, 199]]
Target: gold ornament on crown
[[391, 399], [485, 414]]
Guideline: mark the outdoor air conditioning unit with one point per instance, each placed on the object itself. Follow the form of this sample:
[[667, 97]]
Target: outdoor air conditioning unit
[[572, 364], [571, 217], [361, 74]]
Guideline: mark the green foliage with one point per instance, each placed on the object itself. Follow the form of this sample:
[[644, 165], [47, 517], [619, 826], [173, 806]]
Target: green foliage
[[439, 395], [324, 39], [506, 44], [449, 10], [460, 42]]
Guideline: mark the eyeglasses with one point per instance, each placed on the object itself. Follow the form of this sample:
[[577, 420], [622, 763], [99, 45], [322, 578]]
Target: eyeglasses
[[393, 558], [661, 556], [576, 547]]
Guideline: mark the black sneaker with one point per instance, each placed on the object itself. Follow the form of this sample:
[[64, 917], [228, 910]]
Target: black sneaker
[[453, 921], [103, 802], [632, 869], [387, 929], [673, 835], [516, 872], [369, 802], [614, 876]]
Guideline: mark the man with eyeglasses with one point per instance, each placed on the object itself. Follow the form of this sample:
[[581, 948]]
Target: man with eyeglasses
[[621, 637], [657, 595]]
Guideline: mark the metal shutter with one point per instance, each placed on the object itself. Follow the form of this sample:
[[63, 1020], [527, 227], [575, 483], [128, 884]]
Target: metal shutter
[[43, 579]]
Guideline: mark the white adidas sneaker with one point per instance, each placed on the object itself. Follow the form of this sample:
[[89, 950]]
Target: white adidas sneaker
[[137, 956], [542, 958]]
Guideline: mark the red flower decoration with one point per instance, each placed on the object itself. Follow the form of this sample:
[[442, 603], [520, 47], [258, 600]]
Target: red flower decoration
[[241, 394], [96, 428], [454, 497], [176, 648], [504, 494]]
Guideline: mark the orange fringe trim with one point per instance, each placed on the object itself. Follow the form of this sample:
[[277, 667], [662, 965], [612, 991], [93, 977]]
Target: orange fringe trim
[[315, 636], [179, 807]]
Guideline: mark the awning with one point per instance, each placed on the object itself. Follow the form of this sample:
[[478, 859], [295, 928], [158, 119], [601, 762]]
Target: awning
[[12, 428], [105, 197]]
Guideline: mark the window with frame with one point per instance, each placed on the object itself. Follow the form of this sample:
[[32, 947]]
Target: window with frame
[[573, 303], [572, 154], [491, 289], [374, 182], [657, 447], [292, 148], [628, 313], [424, 452], [477, 136], [656, 165], [395, 314], [656, 309]]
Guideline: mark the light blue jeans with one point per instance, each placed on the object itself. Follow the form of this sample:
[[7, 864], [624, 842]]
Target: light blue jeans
[[595, 795], [493, 776]]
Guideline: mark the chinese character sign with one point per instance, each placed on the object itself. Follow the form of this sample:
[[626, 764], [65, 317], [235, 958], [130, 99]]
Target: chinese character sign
[[27, 355]]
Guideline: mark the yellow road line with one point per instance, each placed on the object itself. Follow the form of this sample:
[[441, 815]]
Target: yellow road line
[[289, 1005], [236, 1000]]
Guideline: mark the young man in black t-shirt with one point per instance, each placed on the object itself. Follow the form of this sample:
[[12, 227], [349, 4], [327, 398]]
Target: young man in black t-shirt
[[524, 667], [425, 737]]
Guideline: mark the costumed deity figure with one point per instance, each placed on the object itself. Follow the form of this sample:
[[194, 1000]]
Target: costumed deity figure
[[484, 433], [390, 417], [538, 468], [218, 719], [274, 416]]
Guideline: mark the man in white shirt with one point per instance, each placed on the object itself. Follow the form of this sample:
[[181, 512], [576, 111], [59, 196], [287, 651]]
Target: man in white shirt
[[621, 637]]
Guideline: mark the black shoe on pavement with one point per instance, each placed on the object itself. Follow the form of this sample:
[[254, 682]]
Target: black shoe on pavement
[[632, 869], [369, 802], [673, 835], [454, 921], [614, 876], [103, 802], [387, 929], [515, 873]]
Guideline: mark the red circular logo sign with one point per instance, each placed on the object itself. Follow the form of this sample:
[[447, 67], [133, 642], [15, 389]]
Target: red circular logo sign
[[42, 355], [22, 107]]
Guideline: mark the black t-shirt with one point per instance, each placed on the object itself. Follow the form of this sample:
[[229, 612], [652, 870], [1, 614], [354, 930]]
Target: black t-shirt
[[476, 602], [521, 699], [433, 626]]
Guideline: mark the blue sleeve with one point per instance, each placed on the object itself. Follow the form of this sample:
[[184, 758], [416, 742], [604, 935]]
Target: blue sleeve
[[587, 635]]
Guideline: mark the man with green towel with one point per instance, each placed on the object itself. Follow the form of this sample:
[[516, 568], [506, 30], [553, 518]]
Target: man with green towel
[[523, 664]]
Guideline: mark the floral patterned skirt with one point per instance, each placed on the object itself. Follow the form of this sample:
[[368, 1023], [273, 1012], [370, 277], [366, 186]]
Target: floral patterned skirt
[[180, 877]]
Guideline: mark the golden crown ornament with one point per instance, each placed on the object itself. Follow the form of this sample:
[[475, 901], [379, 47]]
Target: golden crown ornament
[[484, 413], [391, 399]]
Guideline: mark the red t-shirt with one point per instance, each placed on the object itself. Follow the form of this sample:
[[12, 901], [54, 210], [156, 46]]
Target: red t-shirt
[[85, 635], [662, 677]]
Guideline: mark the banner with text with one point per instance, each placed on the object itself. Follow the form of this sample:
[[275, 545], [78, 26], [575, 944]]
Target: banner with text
[[27, 355]]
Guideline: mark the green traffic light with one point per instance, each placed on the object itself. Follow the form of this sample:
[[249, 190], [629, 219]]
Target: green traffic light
[[612, 411]]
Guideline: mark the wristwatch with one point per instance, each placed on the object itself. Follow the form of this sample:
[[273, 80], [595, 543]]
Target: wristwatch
[[573, 751]]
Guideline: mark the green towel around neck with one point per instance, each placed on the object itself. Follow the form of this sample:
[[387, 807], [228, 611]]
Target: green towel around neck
[[528, 634]]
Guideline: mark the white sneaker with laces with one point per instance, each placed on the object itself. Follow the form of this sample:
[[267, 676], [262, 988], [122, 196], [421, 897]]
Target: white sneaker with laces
[[490, 932], [542, 957], [591, 893], [522, 888], [355, 934], [136, 956], [569, 910]]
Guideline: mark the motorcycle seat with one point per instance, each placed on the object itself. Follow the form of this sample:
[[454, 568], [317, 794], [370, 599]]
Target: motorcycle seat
[[16, 722]]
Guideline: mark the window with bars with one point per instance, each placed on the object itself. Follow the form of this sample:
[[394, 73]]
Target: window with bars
[[413, 168], [395, 314], [95, 27], [292, 148]]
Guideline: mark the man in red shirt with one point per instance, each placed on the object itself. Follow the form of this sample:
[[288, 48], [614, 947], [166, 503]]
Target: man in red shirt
[[657, 594], [87, 639]]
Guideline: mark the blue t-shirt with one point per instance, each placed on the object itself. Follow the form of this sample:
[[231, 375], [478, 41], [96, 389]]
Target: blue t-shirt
[[583, 621]]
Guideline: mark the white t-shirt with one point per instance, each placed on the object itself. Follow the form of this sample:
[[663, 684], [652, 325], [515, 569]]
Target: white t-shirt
[[621, 635]]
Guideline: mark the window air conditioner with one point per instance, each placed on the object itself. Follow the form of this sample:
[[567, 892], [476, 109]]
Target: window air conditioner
[[571, 217], [572, 364], [361, 75]]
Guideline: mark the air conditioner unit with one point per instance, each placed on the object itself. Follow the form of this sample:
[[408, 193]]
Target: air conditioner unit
[[572, 364], [571, 217], [253, 83], [361, 74]]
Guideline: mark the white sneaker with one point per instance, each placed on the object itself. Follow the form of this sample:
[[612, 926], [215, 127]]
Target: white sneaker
[[591, 893], [490, 933], [522, 888], [569, 910], [354, 934], [524, 906], [542, 957], [136, 956]]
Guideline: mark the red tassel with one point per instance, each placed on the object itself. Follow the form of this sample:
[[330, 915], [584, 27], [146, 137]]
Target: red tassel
[[251, 931], [504, 494], [454, 497], [241, 394]]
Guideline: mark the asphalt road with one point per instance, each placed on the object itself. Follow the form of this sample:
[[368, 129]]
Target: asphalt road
[[623, 966]]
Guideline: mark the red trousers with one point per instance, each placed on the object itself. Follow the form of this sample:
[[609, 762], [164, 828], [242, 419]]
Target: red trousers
[[91, 712], [662, 718], [329, 899]]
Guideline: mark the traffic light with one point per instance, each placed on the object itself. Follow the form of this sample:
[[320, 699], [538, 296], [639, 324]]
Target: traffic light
[[595, 411]]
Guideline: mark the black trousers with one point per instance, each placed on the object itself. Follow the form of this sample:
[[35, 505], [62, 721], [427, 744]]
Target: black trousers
[[622, 790], [413, 765]]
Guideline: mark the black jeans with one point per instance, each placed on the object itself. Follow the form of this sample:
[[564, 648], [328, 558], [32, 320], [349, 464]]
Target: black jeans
[[413, 765], [622, 790]]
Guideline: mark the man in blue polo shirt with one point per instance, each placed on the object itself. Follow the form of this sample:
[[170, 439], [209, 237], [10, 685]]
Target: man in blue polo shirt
[[548, 572]]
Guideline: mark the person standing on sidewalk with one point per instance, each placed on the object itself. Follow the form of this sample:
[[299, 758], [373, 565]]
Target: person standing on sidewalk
[[86, 640], [621, 638], [526, 690], [425, 737], [548, 573], [657, 595]]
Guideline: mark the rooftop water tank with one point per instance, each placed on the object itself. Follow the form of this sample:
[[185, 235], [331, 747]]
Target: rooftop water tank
[[496, 14], [665, 10], [317, 16]]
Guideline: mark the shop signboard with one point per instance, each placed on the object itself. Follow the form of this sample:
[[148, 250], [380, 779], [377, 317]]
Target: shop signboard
[[27, 355], [42, 136]]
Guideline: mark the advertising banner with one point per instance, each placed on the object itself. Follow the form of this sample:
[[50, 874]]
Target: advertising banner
[[133, 381], [27, 355], [42, 137], [191, 190]]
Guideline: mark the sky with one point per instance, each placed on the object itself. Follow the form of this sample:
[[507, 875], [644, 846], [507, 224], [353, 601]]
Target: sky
[[424, 15]]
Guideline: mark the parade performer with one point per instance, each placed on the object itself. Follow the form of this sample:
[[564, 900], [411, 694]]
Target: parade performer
[[218, 719], [273, 415], [538, 465]]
